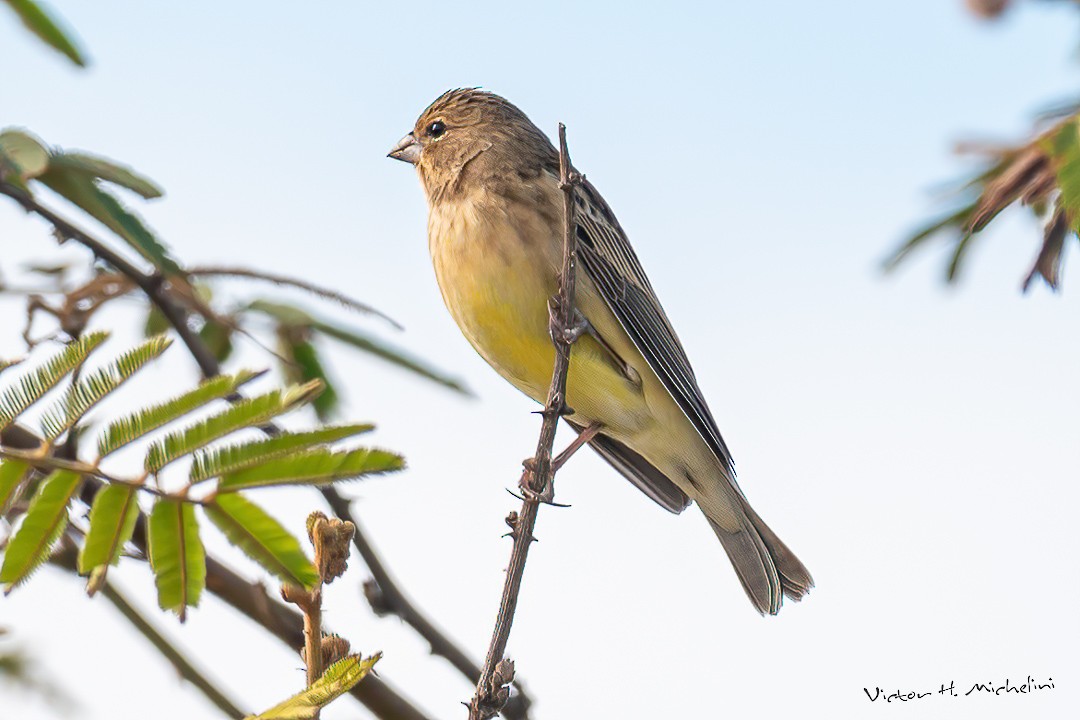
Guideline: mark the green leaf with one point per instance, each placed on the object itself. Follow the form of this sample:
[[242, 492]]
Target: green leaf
[[27, 152], [218, 461], [104, 169], [308, 366], [245, 413], [156, 322], [956, 221], [313, 467], [291, 315], [32, 386], [83, 191], [41, 527], [1063, 146], [391, 354], [176, 556], [89, 391], [338, 679], [12, 474], [218, 339], [112, 521], [250, 528], [136, 425], [46, 28]]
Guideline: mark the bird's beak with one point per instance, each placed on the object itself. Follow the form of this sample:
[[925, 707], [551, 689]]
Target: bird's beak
[[407, 150]]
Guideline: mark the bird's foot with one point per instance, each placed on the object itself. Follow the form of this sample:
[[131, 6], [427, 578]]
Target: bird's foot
[[560, 333]]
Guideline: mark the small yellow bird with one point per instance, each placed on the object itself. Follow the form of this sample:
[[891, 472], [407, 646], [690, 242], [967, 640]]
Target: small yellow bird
[[495, 233]]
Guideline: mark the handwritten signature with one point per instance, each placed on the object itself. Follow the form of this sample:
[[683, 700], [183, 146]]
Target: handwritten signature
[[1029, 686]]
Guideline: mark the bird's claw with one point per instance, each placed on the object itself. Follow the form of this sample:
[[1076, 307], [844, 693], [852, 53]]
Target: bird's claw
[[560, 333]]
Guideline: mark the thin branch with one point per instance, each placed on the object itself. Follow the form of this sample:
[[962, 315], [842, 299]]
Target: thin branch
[[182, 665], [385, 597], [537, 482], [66, 560], [42, 460], [287, 281], [152, 285]]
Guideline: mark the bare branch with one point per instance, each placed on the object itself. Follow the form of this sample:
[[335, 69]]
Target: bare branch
[[385, 597], [287, 281], [537, 482], [152, 285], [66, 560]]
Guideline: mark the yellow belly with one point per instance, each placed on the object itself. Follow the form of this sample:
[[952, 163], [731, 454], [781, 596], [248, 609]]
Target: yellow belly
[[496, 278]]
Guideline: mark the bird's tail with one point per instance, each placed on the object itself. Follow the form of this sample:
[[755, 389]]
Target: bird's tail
[[766, 567]]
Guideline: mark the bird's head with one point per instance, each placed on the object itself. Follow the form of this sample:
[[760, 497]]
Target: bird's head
[[470, 136]]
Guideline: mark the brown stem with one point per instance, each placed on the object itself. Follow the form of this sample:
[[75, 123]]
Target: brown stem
[[538, 480], [188, 671], [152, 285], [285, 280], [386, 597], [313, 637], [66, 560]]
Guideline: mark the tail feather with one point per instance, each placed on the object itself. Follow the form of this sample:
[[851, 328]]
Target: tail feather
[[767, 569], [794, 576], [753, 564]]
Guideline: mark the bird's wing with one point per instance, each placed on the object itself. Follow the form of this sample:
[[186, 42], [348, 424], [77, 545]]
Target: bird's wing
[[607, 257]]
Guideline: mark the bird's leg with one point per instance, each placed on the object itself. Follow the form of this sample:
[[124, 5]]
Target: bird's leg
[[547, 495], [582, 326], [559, 332], [583, 438]]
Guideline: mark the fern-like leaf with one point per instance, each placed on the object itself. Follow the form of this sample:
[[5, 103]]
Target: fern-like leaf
[[250, 528], [177, 556], [138, 424], [313, 467], [89, 391], [246, 413], [41, 527], [112, 521], [32, 386], [338, 679], [218, 461], [12, 473]]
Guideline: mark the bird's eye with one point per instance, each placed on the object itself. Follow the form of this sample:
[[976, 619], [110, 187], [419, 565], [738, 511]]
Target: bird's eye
[[436, 129]]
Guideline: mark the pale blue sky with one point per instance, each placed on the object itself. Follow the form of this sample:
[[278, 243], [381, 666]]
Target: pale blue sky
[[916, 445]]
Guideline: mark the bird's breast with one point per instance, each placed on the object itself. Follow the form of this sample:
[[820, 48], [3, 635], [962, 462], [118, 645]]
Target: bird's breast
[[495, 263]]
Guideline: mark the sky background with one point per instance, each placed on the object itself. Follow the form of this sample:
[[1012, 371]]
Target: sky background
[[915, 444]]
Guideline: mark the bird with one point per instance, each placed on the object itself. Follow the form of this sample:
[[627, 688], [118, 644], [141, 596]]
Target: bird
[[495, 234]]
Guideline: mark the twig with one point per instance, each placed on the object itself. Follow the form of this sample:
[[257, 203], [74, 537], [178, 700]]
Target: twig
[[189, 672], [385, 597], [150, 284], [537, 483], [40, 460], [287, 281], [182, 665]]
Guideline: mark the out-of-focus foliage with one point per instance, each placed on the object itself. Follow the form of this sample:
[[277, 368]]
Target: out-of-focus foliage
[[45, 27], [83, 179], [1042, 174]]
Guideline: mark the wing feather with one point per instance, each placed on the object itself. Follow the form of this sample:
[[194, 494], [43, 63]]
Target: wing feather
[[610, 261]]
